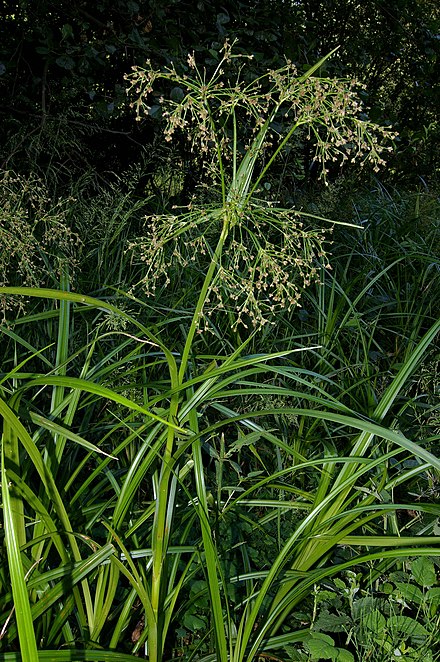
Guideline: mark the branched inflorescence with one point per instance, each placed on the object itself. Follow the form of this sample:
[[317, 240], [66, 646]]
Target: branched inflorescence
[[236, 130], [35, 235]]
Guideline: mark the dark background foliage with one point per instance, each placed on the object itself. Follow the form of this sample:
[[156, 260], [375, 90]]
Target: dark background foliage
[[62, 67]]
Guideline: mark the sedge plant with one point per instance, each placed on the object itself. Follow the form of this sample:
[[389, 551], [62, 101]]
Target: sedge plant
[[67, 577], [102, 558]]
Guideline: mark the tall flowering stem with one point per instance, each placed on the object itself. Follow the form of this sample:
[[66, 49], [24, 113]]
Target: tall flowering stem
[[254, 256], [236, 130]]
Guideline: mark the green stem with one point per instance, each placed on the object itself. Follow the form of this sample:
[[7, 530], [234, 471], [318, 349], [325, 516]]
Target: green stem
[[219, 154], [234, 147], [203, 294], [272, 158]]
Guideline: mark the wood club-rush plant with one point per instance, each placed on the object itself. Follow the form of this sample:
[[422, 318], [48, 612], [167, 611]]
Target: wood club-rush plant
[[103, 559]]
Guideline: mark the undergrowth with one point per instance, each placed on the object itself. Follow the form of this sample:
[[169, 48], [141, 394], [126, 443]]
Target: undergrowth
[[214, 445]]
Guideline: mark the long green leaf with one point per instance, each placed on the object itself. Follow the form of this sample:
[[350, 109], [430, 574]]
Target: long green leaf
[[60, 362], [67, 434], [50, 488], [75, 655], [45, 293], [294, 595], [79, 572], [103, 392], [368, 427], [20, 595]]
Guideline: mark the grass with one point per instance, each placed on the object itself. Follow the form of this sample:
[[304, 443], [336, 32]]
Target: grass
[[180, 482], [137, 519]]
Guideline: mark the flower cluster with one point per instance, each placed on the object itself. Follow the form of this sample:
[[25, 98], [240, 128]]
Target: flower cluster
[[221, 113], [34, 234], [266, 266], [268, 259], [265, 256]]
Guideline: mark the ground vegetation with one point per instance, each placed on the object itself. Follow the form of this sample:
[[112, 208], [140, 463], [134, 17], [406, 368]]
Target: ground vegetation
[[219, 300]]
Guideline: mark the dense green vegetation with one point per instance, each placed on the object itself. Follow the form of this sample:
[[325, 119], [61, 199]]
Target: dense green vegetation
[[220, 296]]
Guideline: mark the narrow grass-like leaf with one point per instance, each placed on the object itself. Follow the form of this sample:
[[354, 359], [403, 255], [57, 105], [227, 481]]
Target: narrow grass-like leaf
[[103, 392], [46, 293], [79, 572], [75, 655], [67, 434], [60, 364], [22, 606]]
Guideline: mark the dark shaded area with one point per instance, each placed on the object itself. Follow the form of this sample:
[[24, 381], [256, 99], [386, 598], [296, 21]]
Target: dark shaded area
[[63, 106]]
